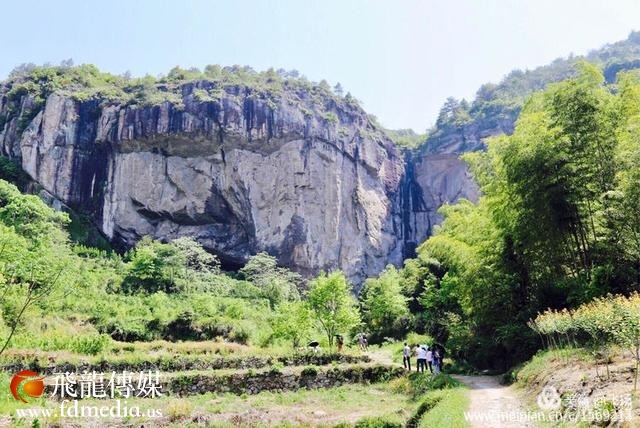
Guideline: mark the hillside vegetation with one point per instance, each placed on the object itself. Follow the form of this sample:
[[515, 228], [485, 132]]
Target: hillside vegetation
[[556, 227], [496, 107]]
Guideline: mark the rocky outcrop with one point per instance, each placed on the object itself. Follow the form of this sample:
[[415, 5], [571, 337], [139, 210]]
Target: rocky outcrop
[[430, 181], [470, 137], [306, 177]]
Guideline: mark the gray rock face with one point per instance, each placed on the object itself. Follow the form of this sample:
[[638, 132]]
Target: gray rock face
[[431, 180], [308, 179]]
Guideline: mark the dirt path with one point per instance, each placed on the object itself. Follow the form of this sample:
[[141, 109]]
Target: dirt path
[[381, 356], [493, 405]]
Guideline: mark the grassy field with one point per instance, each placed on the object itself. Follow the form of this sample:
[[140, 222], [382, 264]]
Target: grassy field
[[393, 402], [448, 412]]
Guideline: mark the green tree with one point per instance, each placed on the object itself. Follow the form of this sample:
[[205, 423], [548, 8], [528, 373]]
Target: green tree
[[333, 304], [36, 263], [292, 321], [384, 307], [196, 257], [153, 266], [277, 284], [556, 224]]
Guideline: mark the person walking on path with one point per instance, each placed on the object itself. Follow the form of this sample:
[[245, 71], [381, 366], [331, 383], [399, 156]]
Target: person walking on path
[[361, 341], [430, 360], [406, 357], [437, 361], [422, 358]]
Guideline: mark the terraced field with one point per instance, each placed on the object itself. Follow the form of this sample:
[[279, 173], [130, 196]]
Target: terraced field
[[215, 385]]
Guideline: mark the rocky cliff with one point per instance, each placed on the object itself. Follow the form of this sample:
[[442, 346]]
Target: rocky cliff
[[299, 173]]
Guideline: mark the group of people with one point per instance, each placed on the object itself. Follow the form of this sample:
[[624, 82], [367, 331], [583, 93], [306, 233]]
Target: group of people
[[425, 358], [362, 342]]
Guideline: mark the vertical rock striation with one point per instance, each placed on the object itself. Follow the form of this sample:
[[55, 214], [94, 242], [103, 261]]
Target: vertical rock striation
[[307, 178]]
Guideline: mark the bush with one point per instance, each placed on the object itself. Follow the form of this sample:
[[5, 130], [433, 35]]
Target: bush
[[239, 335], [276, 368], [309, 371], [126, 331], [183, 328], [90, 345], [422, 383]]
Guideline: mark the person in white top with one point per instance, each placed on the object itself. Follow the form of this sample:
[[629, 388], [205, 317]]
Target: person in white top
[[421, 353], [430, 360], [406, 357]]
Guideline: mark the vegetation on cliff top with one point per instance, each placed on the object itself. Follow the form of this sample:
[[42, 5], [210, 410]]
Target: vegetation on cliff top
[[86, 82], [497, 106]]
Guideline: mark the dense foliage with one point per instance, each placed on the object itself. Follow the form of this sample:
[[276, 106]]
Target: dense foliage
[[58, 295], [557, 225], [600, 324]]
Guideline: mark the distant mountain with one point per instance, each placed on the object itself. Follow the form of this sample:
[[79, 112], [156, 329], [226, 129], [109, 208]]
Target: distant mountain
[[461, 126], [248, 162]]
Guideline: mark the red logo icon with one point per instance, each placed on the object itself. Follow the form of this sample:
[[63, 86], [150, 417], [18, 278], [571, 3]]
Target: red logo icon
[[31, 382]]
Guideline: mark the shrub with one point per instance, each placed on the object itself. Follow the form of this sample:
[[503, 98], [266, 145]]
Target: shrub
[[422, 383], [239, 335], [126, 330], [91, 345], [309, 371], [276, 368], [183, 328], [178, 410]]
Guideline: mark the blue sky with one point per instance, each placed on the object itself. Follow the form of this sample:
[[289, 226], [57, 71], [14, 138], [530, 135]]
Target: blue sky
[[401, 58]]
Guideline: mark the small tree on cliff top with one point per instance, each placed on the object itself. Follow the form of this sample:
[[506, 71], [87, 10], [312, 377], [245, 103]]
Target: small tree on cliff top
[[334, 306]]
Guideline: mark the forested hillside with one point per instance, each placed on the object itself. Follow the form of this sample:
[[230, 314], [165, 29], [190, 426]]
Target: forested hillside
[[461, 124], [557, 224]]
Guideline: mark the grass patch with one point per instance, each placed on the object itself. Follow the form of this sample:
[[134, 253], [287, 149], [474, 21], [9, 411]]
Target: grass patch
[[376, 422], [427, 404], [449, 411], [374, 405], [420, 383]]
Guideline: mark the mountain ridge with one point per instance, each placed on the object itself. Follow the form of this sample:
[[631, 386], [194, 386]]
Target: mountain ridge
[[461, 125], [250, 162], [266, 165]]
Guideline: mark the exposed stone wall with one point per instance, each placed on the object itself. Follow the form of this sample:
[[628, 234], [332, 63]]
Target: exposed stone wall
[[253, 383], [173, 364]]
